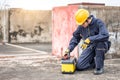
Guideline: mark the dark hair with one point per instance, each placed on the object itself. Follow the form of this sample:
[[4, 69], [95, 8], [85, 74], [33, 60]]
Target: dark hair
[[90, 16]]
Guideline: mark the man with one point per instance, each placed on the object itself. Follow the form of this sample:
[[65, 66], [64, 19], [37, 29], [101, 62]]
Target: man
[[95, 35]]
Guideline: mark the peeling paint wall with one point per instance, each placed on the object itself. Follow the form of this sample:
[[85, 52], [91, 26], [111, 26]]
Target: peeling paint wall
[[30, 26], [63, 26]]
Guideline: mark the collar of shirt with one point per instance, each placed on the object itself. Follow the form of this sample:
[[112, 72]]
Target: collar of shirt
[[93, 20]]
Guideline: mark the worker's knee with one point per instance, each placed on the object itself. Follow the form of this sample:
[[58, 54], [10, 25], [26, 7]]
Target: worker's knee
[[81, 66], [101, 47]]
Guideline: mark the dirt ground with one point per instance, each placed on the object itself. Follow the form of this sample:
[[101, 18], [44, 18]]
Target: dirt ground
[[46, 67]]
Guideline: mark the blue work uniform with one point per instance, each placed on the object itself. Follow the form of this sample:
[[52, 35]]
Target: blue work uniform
[[94, 54]]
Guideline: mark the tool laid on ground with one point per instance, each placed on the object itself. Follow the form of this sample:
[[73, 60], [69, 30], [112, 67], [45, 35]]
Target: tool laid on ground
[[68, 65]]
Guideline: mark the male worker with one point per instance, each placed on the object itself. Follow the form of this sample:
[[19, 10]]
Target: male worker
[[95, 35]]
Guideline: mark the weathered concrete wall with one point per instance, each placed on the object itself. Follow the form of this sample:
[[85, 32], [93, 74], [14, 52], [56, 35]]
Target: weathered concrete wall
[[110, 15], [1, 25], [1, 34], [30, 26], [4, 32]]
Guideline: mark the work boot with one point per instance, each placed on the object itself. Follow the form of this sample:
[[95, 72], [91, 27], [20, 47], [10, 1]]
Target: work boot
[[98, 71]]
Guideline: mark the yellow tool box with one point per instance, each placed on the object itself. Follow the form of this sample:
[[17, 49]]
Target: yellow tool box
[[68, 65]]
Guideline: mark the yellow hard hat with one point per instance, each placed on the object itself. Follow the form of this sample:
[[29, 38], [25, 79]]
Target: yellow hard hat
[[81, 16]]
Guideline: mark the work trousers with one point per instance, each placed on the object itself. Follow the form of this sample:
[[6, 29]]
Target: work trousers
[[92, 56]]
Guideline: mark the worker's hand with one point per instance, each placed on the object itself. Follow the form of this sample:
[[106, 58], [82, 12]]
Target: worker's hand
[[85, 44], [67, 51], [66, 54]]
